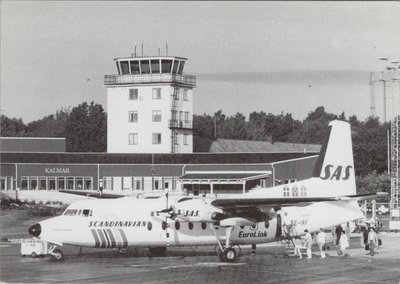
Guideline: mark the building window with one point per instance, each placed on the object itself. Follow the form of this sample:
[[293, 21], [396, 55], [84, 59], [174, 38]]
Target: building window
[[156, 93], [186, 116], [126, 183], [145, 66], [185, 139], [70, 183], [157, 183], [289, 181], [52, 183], [155, 66], [185, 94], [156, 138], [135, 67], [24, 183], [124, 67], [42, 183], [79, 183], [133, 138], [156, 115], [133, 94], [133, 116], [61, 183], [117, 183], [107, 182], [166, 66], [137, 183], [88, 183], [286, 192], [33, 183]]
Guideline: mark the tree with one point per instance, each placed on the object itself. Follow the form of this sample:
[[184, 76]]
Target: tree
[[12, 127], [374, 182], [86, 129], [49, 126]]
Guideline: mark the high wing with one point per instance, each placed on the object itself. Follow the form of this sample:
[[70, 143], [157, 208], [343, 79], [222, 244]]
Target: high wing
[[231, 203]]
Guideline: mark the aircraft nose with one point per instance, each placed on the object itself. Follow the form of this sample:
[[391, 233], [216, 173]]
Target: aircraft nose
[[35, 230]]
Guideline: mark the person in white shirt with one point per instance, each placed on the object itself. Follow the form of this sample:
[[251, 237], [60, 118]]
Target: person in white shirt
[[343, 244], [321, 239], [307, 243]]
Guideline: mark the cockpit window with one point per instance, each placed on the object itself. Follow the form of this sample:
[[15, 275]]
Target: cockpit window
[[86, 213], [70, 212]]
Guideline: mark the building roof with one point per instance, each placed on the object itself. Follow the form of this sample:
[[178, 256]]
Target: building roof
[[105, 158], [32, 144], [248, 146]]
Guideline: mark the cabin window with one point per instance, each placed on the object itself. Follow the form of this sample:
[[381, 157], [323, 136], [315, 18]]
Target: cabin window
[[166, 66], [177, 225], [180, 70], [203, 225], [135, 67], [149, 226], [190, 226], [266, 224], [86, 213], [155, 66], [145, 66], [70, 212], [124, 67], [164, 225]]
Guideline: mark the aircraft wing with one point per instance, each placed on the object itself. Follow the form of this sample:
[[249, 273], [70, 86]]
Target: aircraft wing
[[96, 194], [230, 203]]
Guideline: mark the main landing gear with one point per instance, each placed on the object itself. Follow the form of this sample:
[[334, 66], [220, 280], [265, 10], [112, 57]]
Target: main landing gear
[[227, 253], [55, 253]]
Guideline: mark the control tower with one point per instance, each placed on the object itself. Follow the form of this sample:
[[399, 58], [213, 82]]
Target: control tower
[[150, 106]]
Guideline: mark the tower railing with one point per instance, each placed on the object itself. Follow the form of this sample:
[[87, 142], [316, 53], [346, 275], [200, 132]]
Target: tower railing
[[189, 80]]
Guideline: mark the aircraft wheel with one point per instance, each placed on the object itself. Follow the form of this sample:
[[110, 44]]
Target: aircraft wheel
[[229, 254], [57, 255]]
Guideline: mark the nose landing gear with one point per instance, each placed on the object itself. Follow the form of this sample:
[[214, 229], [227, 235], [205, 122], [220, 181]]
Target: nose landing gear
[[55, 253]]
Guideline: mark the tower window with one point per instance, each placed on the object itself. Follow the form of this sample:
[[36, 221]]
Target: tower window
[[186, 116], [156, 93], [181, 67], [156, 115], [133, 116], [166, 66], [133, 94], [156, 138], [145, 66], [124, 67], [135, 67], [185, 139], [133, 138], [155, 66], [175, 68]]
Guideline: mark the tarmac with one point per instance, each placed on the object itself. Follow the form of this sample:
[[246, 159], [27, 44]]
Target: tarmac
[[201, 265]]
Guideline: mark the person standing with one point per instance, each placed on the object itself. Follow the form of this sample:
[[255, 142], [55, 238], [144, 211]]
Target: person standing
[[339, 230], [308, 243], [321, 238], [373, 241], [343, 244]]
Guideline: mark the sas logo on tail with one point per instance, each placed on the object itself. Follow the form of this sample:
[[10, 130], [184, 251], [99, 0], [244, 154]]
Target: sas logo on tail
[[339, 173]]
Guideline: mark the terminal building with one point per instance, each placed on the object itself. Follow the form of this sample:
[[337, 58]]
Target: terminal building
[[149, 146]]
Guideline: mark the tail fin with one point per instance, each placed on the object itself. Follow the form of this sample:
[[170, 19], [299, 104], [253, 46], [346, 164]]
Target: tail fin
[[335, 166]]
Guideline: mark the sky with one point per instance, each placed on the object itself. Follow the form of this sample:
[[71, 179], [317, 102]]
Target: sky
[[274, 57]]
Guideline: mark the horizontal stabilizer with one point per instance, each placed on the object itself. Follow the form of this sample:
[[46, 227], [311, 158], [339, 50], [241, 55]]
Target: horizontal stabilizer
[[95, 194]]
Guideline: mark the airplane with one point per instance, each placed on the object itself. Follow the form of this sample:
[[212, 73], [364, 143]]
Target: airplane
[[261, 215]]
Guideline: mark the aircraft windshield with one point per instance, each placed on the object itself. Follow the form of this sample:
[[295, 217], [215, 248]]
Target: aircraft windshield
[[70, 212]]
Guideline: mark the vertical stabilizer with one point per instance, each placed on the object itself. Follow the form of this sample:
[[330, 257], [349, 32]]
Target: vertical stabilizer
[[335, 166]]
